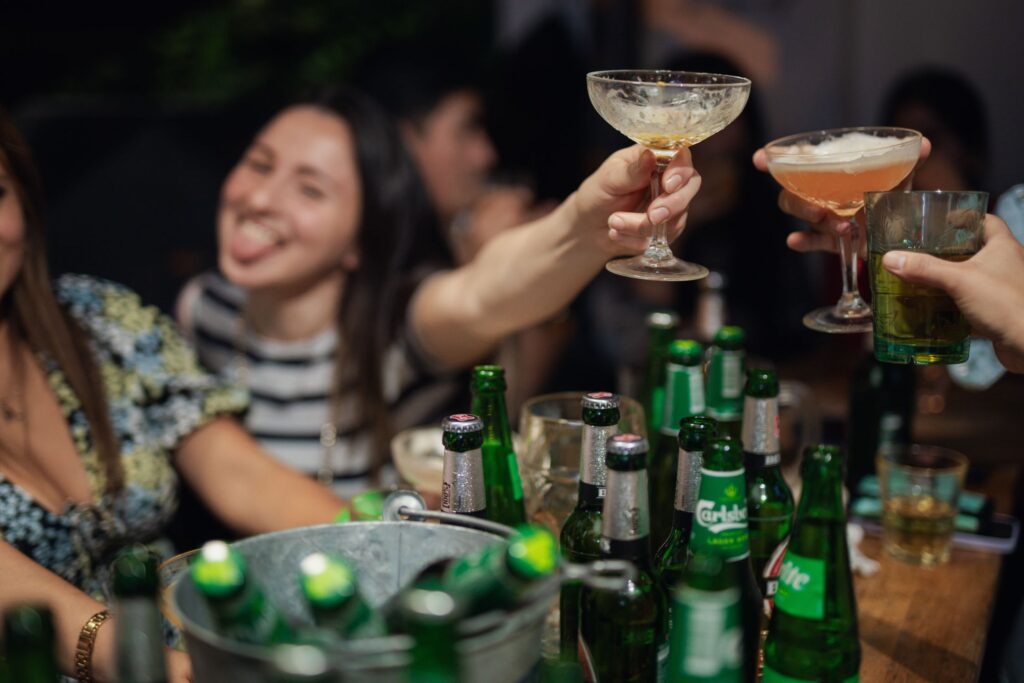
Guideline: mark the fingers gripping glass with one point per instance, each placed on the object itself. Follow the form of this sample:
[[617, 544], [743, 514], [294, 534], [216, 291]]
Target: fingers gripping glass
[[833, 169], [665, 111]]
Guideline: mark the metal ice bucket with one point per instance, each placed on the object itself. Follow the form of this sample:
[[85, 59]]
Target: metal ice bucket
[[502, 648]]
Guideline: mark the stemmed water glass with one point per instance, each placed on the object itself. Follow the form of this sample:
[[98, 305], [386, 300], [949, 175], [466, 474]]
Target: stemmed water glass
[[665, 111], [833, 169]]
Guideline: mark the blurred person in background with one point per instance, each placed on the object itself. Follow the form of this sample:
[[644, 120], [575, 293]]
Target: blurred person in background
[[948, 110], [439, 107], [103, 406]]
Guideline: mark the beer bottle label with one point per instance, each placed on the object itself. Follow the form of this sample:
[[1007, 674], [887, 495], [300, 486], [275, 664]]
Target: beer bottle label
[[725, 376], [801, 591], [593, 470], [760, 433], [721, 516], [771, 575], [770, 675], [710, 637]]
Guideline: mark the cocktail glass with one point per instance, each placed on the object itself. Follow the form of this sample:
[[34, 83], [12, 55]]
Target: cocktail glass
[[665, 111], [833, 169]]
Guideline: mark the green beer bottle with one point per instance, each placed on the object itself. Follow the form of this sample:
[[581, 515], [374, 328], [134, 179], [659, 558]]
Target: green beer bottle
[[29, 645], [463, 490], [580, 539], [706, 642], [684, 396], [499, 575], [331, 589], [139, 633], [725, 380], [621, 632], [673, 555], [239, 606], [662, 327], [769, 500], [431, 617], [813, 631], [720, 527], [501, 471]]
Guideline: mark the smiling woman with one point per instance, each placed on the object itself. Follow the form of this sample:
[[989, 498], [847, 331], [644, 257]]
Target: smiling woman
[[331, 305]]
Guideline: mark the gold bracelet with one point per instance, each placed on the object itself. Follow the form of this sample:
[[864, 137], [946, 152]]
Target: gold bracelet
[[86, 641]]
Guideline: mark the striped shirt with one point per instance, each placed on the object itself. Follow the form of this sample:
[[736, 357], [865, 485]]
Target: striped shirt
[[290, 384]]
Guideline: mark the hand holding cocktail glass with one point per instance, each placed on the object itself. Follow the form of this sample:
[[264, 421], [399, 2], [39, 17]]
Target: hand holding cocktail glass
[[834, 169], [666, 111]]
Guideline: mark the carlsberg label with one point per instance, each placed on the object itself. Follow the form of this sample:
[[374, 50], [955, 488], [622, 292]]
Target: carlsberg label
[[720, 520]]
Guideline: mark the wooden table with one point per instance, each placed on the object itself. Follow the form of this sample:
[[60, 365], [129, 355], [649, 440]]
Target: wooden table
[[925, 624]]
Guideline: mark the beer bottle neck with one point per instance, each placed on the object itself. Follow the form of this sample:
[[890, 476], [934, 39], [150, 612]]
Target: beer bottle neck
[[725, 383], [688, 480], [760, 433], [462, 487], [593, 472], [684, 395], [625, 517], [489, 406]]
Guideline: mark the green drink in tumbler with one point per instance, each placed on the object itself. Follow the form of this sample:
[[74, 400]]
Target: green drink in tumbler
[[914, 323]]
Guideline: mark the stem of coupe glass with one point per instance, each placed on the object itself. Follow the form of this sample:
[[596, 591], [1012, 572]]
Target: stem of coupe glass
[[658, 249]]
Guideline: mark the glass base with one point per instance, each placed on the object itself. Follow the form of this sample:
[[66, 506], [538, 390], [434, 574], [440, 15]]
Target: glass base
[[924, 353], [826, 320], [667, 270]]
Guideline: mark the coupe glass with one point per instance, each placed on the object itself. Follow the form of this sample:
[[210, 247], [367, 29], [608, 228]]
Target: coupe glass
[[665, 111], [833, 169]]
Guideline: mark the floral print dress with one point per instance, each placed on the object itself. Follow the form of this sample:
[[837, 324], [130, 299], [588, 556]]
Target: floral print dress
[[157, 394]]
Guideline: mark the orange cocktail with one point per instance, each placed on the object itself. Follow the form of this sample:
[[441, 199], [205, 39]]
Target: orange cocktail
[[833, 169]]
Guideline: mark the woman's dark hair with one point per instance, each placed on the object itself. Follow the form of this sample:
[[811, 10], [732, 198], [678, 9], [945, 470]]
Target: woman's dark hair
[[958, 111], [396, 216], [37, 318]]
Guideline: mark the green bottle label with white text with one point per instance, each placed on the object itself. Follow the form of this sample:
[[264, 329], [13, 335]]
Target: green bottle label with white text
[[801, 591], [720, 521], [708, 637], [770, 675]]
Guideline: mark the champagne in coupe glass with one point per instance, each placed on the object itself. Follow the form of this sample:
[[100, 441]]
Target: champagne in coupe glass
[[833, 169], [665, 111]]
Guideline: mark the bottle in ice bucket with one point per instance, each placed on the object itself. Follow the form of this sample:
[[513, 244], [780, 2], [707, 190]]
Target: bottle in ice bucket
[[581, 534], [813, 632], [139, 634], [331, 590], [294, 663], [673, 555], [500, 575], [684, 397], [662, 327], [621, 631], [29, 645], [706, 642], [239, 606], [720, 528], [431, 617], [725, 380], [769, 500], [501, 471], [463, 490]]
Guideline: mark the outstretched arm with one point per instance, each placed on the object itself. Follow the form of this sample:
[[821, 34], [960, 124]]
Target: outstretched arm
[[528, 274], [245, 487]]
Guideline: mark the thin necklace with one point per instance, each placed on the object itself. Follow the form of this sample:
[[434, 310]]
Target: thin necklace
[[329, 428]]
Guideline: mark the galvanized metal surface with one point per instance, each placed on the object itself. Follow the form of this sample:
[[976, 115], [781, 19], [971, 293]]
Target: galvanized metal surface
[[387, 556]]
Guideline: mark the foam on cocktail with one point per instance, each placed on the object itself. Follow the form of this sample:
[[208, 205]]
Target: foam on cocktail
[[851, 152]]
